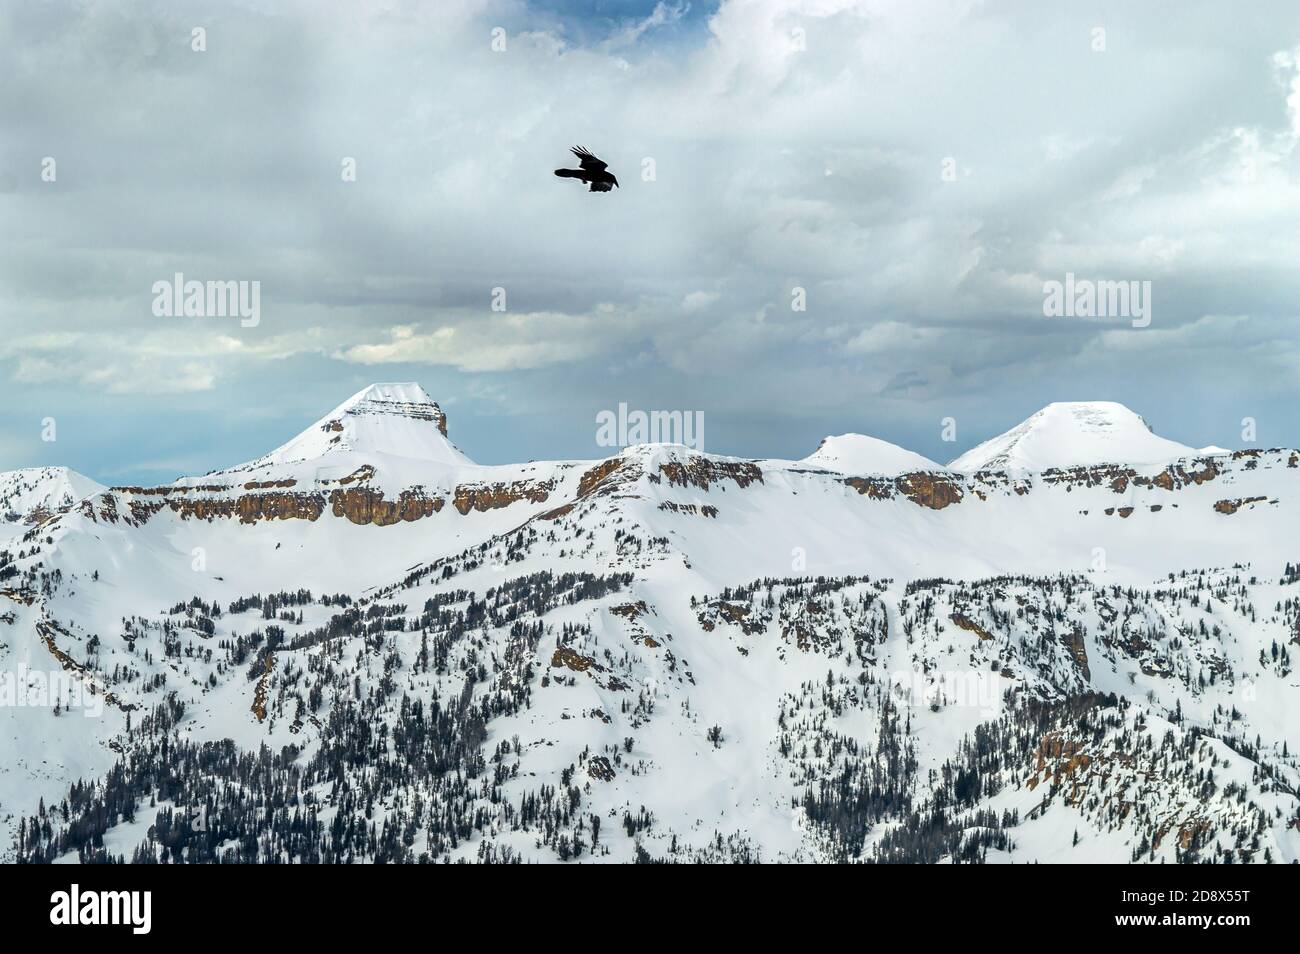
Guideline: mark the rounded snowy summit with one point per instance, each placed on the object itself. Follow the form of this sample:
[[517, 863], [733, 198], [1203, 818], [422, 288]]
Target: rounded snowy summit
[[860, 454], [1073, 434]]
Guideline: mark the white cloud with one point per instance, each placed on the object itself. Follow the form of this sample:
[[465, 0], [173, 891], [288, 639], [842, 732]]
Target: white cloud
[[500, 343], [661, 15], [1170, 166], [699, 300]]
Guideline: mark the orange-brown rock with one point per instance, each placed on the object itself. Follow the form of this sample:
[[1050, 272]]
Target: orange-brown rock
[[1233, 505], [594, 477], [875, 488], [1190, 830], [630, 610], [363, 473], [1057, 759], [557, 513], [704, 472], [968, 624], [930, 490], [363, 506], [1176, 475], [250, 508], [1078, 648], [733, 611], [23, 596], [47, 632], [278, 506], [572, 659], [259, 694], [935, 491], [484, 497]]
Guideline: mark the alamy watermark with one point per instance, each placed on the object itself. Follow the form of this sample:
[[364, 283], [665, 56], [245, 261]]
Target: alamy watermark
[[133, 909], [37, 689], [623, 428], [968, 689], [179, 298], [1085, 298]]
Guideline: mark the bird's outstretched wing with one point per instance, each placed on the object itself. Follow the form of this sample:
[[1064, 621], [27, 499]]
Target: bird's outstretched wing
[[587, 160]]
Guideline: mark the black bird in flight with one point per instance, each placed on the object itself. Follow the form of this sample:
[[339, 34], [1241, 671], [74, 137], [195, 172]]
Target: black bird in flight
[[592, 171]]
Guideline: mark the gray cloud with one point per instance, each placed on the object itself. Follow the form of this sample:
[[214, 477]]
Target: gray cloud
[[1170, 157]]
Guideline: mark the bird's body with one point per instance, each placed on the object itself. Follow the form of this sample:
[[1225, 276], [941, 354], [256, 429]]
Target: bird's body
[[593, 171]]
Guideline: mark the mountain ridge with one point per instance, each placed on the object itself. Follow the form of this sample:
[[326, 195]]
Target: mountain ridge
[[1071, 434], [401, 422], [739, 659], [30, 495], [854, 453]]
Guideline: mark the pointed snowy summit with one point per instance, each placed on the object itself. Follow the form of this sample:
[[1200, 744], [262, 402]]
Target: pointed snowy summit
[[53, 487], [1072, 434], [860, 454], [31, 494], [384, 420]]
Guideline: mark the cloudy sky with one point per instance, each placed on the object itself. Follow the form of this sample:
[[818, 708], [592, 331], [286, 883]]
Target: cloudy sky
[[919, 169]]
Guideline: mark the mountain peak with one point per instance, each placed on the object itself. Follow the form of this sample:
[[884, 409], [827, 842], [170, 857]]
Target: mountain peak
[[1071, 434], [396, 419], [33, 493], [861, 454], [402, 397]]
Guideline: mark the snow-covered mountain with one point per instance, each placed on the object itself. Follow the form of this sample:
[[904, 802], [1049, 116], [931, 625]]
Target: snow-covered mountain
[[371, 648], [396, 424], [1069, 434], [34, 494], [860, 454]]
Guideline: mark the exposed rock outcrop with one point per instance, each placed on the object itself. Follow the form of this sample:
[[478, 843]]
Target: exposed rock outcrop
[[483, 497], [1235, 504], [704, 472], [363, 506]]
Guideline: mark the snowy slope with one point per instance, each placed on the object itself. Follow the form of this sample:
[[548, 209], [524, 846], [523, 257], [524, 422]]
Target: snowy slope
[[396, 428], [1070, 434], [398, 420], [860, 454], [684, 645], [34, 493]]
